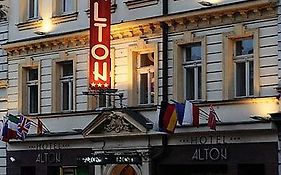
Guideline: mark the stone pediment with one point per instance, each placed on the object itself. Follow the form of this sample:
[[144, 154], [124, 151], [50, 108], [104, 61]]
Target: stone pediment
[[117, 123]]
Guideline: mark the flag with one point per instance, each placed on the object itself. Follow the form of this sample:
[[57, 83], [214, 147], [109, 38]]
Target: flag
[[191, 114], [39, 127], [4, 135], [23, 127], [180, 112], [212, 122], [167, 117], [13, 122]]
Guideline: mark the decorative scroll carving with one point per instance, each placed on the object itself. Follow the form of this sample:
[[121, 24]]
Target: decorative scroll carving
[[117, 123]]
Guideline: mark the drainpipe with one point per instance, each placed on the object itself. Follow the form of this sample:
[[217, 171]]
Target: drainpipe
[[165, 29], [154, 169]]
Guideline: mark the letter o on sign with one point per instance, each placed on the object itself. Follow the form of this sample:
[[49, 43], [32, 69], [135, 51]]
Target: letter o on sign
[[100, 46]]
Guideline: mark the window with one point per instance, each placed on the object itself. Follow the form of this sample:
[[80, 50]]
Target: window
[[241, 67], [142, 74], [27, 170], [192, 68], [145, 71], [67, 6], [29, 87], [244, 67], [32, 90], [189, 69], [66, 82], [33, 8]]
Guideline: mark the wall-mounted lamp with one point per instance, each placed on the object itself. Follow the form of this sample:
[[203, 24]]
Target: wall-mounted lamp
[[206, 3], [12, 159], [40, 33]]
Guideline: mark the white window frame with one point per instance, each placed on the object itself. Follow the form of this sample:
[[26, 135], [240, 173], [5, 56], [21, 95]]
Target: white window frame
[[194, 64], [141, 47], [247, 58], [35, 9], [31, 83], [145, 70], [240, 32], [69, 81]]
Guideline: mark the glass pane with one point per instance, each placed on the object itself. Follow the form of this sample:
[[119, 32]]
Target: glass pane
[[244, 47], [146, 59], [67, 68], [189, 83], [65, 96], [28, 170], [143, 89], [67, 5], [199, 83], [32, 74], [240, 79], [53, 170], [251, 78], [33, 8], [152, 87], [193, 52], [102, 100], [33, 99]]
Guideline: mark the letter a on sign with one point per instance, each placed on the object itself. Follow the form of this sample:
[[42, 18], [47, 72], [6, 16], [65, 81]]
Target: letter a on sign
[[99, 68]]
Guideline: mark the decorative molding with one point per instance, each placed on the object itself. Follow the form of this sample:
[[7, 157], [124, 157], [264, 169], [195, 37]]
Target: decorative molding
[[30, 24], [150, 27], [65, 18], [3, 84], [117, 123], [113, 8], [133, 4]]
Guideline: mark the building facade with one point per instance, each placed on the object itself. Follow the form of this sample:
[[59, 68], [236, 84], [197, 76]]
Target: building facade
[[222, 53]]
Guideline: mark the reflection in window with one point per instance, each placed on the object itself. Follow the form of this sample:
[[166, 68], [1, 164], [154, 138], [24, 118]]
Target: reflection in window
[[193, 73]]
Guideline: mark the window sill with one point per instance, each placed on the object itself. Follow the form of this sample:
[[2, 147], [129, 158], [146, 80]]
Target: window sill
[[132, 4], [30, 24], [65, 18]]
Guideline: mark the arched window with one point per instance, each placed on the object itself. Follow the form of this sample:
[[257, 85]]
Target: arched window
[[128, 170]]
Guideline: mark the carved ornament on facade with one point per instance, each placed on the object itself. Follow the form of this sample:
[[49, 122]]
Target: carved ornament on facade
[[117, 123], [151, 27]]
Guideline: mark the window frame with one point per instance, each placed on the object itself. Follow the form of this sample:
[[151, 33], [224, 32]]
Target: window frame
[[29, 84], [68, 79], [57, 103], [23, 104], [35, 10], [135, 51], [229, 68], [179, 75]]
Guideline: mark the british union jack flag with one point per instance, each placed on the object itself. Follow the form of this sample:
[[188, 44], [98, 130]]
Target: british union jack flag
[[23, 127]]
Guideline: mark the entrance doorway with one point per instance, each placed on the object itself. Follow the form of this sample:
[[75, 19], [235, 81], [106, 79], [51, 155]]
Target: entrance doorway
[[123, 170]]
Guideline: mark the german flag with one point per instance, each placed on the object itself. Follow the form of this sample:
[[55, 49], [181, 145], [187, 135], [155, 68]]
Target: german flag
[[167, 117]]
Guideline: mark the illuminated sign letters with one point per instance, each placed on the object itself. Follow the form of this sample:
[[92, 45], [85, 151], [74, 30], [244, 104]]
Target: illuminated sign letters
[[100, 17]]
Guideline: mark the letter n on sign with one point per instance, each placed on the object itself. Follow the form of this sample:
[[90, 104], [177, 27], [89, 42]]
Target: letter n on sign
[[100, 18]]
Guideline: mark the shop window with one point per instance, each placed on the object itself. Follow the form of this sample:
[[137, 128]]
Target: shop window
[[67, 170], [29, 87], [189, 73], [128, 170], [241, 66], [256, 169], [64, 84], [28, 170], [142, 74], [192, 67]]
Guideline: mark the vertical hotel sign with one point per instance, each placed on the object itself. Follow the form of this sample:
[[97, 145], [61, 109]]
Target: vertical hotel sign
[[99, 77]]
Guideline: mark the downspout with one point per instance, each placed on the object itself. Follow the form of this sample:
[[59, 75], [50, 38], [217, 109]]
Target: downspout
[[154, 169]]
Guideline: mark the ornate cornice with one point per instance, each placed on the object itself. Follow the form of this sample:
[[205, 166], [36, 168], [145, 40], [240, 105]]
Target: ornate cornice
[[209, 17]]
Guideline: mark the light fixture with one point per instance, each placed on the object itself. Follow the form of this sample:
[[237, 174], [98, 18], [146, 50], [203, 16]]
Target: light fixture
[[40, 33], [12, 159], [206, 3]]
